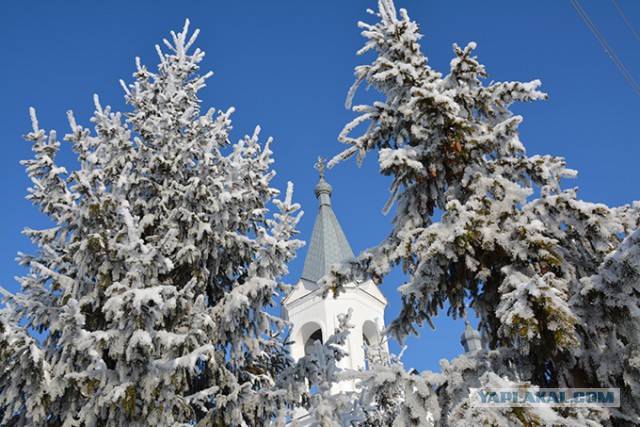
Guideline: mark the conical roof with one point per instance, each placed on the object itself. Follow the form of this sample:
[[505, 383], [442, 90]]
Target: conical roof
[[328, 244]]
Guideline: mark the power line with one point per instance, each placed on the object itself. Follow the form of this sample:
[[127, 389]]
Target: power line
[[606, 46], [626, 20]]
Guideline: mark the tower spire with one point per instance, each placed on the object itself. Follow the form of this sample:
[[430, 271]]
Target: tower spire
[[328, 244]]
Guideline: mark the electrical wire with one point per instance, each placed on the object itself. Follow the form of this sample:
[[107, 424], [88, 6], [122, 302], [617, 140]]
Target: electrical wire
[[606, 46], [626, 20]]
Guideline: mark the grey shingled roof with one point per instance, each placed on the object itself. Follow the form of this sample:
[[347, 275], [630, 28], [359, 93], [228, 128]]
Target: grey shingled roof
[[328, 244]]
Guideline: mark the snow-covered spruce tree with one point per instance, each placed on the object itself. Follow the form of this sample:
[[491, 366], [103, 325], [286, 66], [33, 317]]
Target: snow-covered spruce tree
[[609, 300], [510, 240], [150, 288]]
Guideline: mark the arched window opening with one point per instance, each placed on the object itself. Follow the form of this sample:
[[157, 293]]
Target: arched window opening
[[316, 336], [370, 334], [371, 342]]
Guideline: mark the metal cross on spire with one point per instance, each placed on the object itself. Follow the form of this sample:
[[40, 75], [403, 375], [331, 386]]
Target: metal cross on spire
[[320, 165]]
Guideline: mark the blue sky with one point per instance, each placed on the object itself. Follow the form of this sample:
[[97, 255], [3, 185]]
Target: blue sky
[[287, 66]]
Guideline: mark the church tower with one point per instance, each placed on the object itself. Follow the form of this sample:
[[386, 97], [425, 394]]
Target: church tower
[[314, 318]]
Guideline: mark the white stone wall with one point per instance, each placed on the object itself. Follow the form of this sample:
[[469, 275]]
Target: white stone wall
[[308, 311]]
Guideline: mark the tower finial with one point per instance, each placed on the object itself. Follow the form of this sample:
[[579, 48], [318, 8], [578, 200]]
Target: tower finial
[[320, 165], [471, 339]]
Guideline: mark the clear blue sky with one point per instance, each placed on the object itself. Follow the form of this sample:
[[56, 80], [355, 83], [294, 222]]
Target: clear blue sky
[[287, 65]]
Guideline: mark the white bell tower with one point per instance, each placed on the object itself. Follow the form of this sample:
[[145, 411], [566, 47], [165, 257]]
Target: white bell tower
[[314, 318]]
